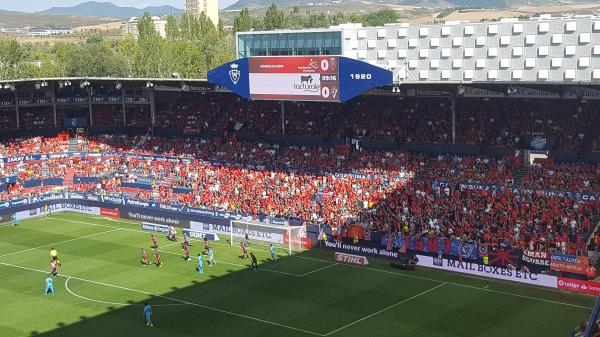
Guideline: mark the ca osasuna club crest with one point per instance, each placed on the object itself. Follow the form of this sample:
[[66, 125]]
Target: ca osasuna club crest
[[234, 73]]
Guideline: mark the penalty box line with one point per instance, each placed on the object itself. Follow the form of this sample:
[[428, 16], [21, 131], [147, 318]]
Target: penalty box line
[[386, 308], [172, 299], [57, 243], [486, 289], [216, 243]]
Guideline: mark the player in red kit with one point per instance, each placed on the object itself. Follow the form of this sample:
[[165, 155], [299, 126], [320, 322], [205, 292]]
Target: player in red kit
[[157, 256], [206, 246], [186, 252], [244, 250], [154, 242], [144, 260]]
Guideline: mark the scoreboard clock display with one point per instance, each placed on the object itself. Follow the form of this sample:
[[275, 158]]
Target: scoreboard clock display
[[299, 78]]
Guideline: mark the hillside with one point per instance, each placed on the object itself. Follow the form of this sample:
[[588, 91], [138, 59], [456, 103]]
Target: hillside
[[107, 9], [498, 4], [19, 19]]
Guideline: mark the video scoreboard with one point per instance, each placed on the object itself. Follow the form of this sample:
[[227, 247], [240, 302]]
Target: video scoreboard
[[299, 78]]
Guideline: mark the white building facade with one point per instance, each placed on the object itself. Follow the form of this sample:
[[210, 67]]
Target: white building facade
[[545, 49], [131, 26], [209, 7]]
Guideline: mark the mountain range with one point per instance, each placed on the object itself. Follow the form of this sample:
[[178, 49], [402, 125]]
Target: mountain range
[[108, 9], [497, 4]]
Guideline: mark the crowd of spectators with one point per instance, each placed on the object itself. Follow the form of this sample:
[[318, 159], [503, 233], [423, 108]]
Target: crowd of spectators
[[526, 221], [489, 122], [468, 169], [576, 177], [498, 122], [504, 122], [341, 185]]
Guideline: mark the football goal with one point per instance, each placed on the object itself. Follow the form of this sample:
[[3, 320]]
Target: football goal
[[291, 238]]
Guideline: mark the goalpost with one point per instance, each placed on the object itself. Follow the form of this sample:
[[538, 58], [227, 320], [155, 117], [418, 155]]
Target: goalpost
[[292, 238]]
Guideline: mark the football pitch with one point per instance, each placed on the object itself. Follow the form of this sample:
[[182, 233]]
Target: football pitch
[[102, 289]]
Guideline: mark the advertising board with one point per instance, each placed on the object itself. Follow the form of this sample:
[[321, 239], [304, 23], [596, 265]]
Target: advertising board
[[350, 259], [61, 207], [256, 233], [487, 271], [579, 286]]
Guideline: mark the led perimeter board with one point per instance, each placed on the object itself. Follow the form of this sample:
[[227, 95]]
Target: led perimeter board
[[299, 78]]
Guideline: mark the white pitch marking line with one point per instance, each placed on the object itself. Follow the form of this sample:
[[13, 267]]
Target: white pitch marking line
[[171, 244], [114, 303], [60, 242], [386, 308], [174, 300], [10, 224], [241, 265], [382, 271], [319, 269]]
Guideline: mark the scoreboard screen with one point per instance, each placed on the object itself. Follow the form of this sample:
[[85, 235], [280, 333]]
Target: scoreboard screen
[[298, 78]]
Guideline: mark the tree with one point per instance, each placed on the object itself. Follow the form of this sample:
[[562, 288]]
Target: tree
[[172, 29], [12, 54], [94, 39], [274, 18], [146, 27], [296, 20], [243, 22], [96, 60], [380, 18]]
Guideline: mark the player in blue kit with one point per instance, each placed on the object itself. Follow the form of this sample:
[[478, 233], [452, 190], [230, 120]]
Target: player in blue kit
[[272, 252], [200, 267], [148, 314], [49, 286], [211, 257]]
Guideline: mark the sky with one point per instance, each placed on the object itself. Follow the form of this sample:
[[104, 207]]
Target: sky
[[40, 5]]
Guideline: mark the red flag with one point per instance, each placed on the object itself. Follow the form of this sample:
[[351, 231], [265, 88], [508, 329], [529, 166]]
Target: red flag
[[389, 243]]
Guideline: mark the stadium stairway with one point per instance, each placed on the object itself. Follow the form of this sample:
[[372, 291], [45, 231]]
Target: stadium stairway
[[73, 145], [142, 141], [520, 174], [68, 180]]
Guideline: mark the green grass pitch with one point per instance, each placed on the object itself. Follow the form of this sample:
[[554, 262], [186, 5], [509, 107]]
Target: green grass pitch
[[103, 286]]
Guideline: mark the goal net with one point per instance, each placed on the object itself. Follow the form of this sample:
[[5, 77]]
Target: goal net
[[291, 238]]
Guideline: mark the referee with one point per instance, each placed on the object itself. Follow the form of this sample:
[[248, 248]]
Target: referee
[[54, 255]]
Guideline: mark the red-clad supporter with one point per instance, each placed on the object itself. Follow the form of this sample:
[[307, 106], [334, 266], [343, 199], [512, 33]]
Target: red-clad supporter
[[468, 169], [575, 177], [302, 182]]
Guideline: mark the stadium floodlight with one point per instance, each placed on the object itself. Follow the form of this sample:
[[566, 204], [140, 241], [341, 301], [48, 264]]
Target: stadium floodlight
[[149, 84], [67, 83], [7, 86], [84, 84], [118, 86], [44, 84]]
